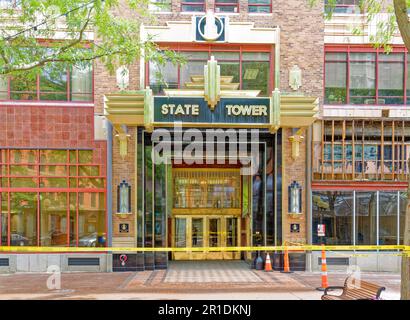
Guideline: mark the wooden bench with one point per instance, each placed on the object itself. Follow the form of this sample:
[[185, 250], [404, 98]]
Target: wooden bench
[[354, 289]]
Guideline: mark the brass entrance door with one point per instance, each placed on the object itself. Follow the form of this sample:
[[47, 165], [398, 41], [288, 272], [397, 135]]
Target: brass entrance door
[[208, 232]]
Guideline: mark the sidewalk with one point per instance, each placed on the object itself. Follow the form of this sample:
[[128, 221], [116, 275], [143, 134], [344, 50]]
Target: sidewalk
[[210, 280]]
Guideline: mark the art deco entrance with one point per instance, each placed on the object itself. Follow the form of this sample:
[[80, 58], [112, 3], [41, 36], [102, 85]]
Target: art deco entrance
[[206, 212]]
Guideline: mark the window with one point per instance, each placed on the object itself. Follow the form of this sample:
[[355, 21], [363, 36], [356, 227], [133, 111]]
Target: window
[[376, 217], [336, 76], [260, 6], [334, 210], [226, 6], [366, 78], [204, 189], [52, 84], [9, 4], [343, 6], [193, 6], [160, 5], [241, 69], [66, 203], [362, 150]]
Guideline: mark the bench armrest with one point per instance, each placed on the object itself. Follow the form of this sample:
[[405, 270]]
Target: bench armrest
[[333, 288]]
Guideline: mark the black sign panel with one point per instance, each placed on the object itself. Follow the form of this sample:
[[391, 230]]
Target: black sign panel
[[295, 227], [196, 110], [124, 227]]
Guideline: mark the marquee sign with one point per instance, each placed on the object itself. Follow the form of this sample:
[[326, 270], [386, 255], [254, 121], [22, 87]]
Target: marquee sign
[[227, 110]]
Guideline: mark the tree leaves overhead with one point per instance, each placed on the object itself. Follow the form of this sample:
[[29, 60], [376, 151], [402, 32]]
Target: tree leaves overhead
[[81, 31]]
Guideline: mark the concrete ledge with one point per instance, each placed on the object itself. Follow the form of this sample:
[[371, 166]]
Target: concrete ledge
[[42, 262], [366, 261]]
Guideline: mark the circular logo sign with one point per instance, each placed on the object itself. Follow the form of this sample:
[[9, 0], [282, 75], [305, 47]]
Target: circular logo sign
[[210, 27]]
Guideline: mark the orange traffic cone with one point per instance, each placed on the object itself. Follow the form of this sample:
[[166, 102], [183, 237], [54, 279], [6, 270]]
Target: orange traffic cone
[[268, 264], [286, 267], [325, 283]]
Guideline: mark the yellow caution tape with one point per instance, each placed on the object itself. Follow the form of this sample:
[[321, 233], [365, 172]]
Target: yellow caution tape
[[17, 249]]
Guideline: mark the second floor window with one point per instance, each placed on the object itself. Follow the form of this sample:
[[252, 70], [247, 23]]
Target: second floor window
[[160, 6], [226, 6], [343, 6], [242, 71], [260, 6], [193, 6], [52, 84], [366, 78]]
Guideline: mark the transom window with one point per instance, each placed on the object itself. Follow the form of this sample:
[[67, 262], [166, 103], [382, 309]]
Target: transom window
[[74, 84], [358, 77], [226, 6], [193, 6], [260, 6], [241, 69]]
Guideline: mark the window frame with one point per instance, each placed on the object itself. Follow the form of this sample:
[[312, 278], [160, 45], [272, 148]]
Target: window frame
[[348, 50], [38, 93], [337, 5], [226, 4], [194, 4], [260, 5], [211, 48]]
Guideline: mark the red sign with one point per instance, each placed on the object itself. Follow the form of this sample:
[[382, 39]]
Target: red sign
[[321, 230]]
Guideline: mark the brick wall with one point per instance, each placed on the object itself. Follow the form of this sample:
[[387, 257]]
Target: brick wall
[[46, 126]]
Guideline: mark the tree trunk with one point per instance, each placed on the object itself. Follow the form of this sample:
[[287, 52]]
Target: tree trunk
[[405, 265], [400, 10]]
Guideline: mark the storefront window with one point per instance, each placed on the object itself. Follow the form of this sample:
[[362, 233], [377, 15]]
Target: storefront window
[[3, 219], [45, 208], [388, 218], [23, 219], [366, 218], [91, 221], [334, 210], [402, 211], [53, 219], [259, 6]]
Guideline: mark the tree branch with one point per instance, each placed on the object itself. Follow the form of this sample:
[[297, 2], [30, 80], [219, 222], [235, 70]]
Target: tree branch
[[54, 56]]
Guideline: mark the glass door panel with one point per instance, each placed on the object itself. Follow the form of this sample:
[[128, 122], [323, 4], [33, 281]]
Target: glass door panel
[[214, 232], [231, 232], [197, 232], [180, 232]]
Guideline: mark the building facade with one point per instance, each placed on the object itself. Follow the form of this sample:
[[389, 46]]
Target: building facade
[[316, 120]]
